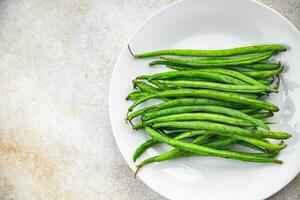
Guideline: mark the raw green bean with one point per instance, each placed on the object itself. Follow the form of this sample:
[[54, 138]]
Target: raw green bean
[[182, 102], [217, 86], [263, 66], [256, 66], [264, 74], [136, 95], [221, 62], [262, 115], [222, 128], [223, 96], [160, 85], [210, 151], [193, 74], [210, 109], [177, 153], [214, 53], [149, 143], [237, 135], [238, 75], [201, 117], [145, 87]]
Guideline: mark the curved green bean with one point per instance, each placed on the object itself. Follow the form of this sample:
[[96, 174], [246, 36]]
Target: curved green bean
[[136, 95], [177, 153], [264, 74], [149, 143], [262, 115], [160, 85], [144, 87], [199, 149], [214, 53]]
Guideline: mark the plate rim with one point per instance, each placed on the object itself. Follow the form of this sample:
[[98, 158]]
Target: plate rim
[[125, 46]]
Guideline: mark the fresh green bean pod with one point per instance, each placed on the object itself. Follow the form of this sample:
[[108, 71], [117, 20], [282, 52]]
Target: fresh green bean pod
[[182, 102], [136, 95], [219, 63], [217, 95], [262, 115], [145, 87], [201, 117], [240, 76], [177, 153], [193, 74], [222, 128], [211, 109], [199, 149], [255, 66], [217, 86], [235, 132], [213, 53], [264, 74], [149, 143], [160, 85]]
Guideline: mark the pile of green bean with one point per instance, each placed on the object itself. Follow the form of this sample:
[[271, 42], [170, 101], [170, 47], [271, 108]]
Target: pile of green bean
[[210, 101]]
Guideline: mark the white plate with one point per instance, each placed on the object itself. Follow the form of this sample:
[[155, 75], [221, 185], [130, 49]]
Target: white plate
[[211, 24]]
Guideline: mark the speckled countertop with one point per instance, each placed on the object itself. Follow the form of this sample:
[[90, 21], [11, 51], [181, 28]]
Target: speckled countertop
[[56, 60]]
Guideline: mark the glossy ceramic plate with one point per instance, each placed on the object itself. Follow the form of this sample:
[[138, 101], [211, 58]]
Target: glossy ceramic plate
[[211, 24]]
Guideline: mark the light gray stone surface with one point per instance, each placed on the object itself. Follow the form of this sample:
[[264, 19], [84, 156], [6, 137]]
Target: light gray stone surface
[[56, 60]]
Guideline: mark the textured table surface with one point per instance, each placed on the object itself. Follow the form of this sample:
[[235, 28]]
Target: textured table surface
[[56, 60]]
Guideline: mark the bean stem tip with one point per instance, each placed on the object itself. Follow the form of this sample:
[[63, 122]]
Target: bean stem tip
[[130, 51]]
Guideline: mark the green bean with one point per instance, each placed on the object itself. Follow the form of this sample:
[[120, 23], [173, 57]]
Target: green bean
[[219, 63], [149, 143], [263, 66], [217, 86], [238, 75], [264, 74], [193, 74], [273, 134], [177, 153], [201, 117], [199, 149], [211, 109], [256, 66], [160, 85], [222, 128], [214, 53], [164, 62], [235, 133], [182, 102], [223, 96], [145, 87], [136, 95], [262, 115], [143, 147]]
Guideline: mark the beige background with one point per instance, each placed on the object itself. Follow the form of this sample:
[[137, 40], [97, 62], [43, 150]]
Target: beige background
[[56, 60]]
